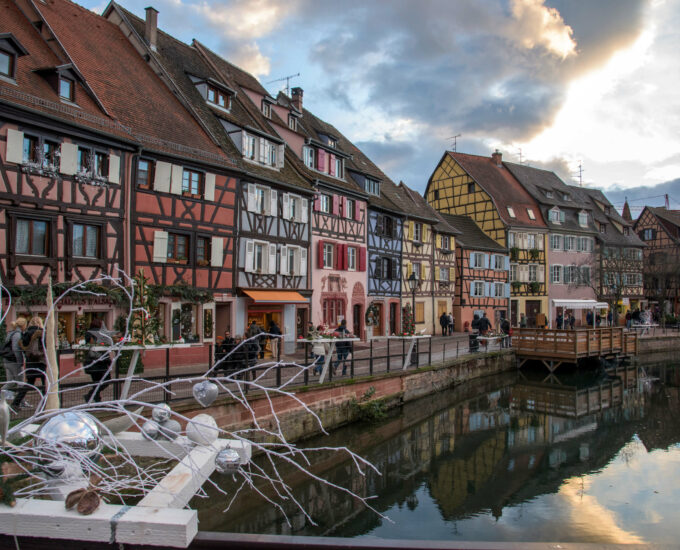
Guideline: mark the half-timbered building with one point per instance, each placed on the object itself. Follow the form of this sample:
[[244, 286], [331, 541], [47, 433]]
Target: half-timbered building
[[659, 229], [619, 276], [484, 189], [482, 279], [571, 252], [272, 202]]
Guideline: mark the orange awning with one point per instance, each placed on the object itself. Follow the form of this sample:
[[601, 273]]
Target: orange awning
[[276, 296]]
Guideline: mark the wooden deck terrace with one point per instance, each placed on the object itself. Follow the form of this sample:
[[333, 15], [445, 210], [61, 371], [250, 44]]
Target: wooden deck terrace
[[554, 347]]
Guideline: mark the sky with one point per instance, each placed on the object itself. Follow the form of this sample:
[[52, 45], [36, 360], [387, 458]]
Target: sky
[[587, 89]]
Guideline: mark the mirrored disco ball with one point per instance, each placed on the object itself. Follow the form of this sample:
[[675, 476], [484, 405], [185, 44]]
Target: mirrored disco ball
[[150, 429], [75, 429], [227, 461]]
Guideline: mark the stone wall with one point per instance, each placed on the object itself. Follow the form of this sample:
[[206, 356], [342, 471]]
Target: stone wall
[[333, 403]]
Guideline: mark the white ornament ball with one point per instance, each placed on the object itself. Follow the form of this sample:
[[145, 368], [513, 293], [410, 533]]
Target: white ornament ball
[[161, 413], [170, 429], [150, 429], [202, 429]]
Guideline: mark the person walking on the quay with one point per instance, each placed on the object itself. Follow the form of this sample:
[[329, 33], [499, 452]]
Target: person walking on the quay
[[32, 346], [444, 323], [452, 323], [342, 348], [318, 350], [15, 363], [559, 321], [274, 332], [522, 321], [572, 321], [97, 363], [505, 329]]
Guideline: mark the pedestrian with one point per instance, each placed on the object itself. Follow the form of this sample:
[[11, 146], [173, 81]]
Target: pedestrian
[[559, 321], [15, 363], [598, 320], [589, 319], [224, 350], [610, 318], [444, 323], [484, 324], [253, 332], [252, 351], [505, 329], [236, 362], [522, 321], [34, 352], [342, 348], [629, 319], [318, 351], [572, 321], [274, 334], [97, 363], [452, 323]]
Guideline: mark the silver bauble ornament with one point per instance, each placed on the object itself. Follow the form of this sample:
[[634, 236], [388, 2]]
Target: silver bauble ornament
[[170, 429], [227, 461], [72, 429], [161, 413], [205, 392], [150, 429], [202, 429]]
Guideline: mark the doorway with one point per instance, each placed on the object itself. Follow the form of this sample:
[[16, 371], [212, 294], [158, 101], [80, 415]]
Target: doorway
[[533, 310], [356, 320], [222, 320], [514, 316], [378, 328], [394, 318]]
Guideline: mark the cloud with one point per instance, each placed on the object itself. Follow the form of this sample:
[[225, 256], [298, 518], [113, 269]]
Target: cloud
[[543, 26]]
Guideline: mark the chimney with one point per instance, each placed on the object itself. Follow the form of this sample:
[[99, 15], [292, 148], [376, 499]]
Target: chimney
[[151, 27], [296, 94], [497, 157]]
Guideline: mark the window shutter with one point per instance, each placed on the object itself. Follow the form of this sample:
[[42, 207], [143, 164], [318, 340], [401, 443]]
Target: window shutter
[[507, 263], [217, 252], [244, 143], [411, 231], [321, 160], [426, 233], [507, 290], [304, 211], [539, 241], [541, 273], [114, 169], [357, 211], [273, 203], [160, 246], [286, 206], [439, 241], [331, 164], [252, 204], [68, 160], [317, 203], [437, 271], [319, 254], [377, 271], [395, 269], [15, 147], [303, 262], [409, 269], [473, 288], [271, 261], [423, 272], [362, 258], [345, 257], [261, 153], [338, 256], [209, 187], [336, 205], [176, 179], [285, 268], [488, 289], [280, 154], [486, 260], [250, 256]]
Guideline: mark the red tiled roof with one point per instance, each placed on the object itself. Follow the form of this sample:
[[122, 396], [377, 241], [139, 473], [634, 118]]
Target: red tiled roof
[[503, 188], [124, 83]]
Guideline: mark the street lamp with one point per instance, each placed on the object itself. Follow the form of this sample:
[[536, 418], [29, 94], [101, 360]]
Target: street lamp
[[413, 285]]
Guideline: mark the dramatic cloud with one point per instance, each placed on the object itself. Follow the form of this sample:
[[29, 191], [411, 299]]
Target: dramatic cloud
[[543, 26]]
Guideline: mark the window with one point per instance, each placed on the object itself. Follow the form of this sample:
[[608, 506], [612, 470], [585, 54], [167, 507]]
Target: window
[[511, 240], [333, 309], [569, 243], [31, 149], [32, 237], [549, 194], [530, 213], [446, 242], [308, 154], [477, 288], [66, 88], [511, 212], [477, 260], [416, 269], [294, 206], [498, 262], [178, 247], [556, 215], [583, 219], [499, 290], [533, 273], [259, 200], [292, 122], [514, 272], [50, 154], [350, 208], [470, 187], [556, 274], [84, 159], [444, 274], [585, 274], [202, 251], [420, 312], [328, 250], [418, 232], [266, 109], [192, 182], [626, 231], [332, 143], [338, 168], [436, 194], [566, 197], [351, 258], [647, 234], [293, 254], [531, 241], [6, 64], [259, 251], [218, 98], [372, 187], [385, 269], [85, 241], [603, 228], [270, 153], [386, 226], [555, 242], [144, 176], [249, 152], [325, 203], [101, 164]]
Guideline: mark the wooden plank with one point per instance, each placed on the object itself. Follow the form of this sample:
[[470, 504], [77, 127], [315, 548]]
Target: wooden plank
[[157, 527], [137, 445]]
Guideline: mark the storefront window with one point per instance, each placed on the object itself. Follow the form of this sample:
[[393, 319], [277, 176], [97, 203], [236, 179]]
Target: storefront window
[[184, 323]]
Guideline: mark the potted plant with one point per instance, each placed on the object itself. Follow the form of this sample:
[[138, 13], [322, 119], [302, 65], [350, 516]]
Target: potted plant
[[516, 286], [534, 286], [514, 253], [534, 253]]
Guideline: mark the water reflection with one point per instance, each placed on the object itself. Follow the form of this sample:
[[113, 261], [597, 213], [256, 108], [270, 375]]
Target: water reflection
[[592, 457]]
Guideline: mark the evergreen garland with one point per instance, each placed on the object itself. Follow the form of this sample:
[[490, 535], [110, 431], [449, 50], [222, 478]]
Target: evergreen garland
[[408, 324]]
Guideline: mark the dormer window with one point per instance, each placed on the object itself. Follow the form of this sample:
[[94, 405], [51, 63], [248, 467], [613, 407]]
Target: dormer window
[[603, 228], [332, 143], [266, 109], [308, 154], [549, 194], [626, 231], [372, 187], [556, 216], [292, 123], [10, 50], [66, 89], [511, 212], [219, 98], [606, 210], [338, 168], [7, 62], [566, 197], [583, 219], [531, 214]]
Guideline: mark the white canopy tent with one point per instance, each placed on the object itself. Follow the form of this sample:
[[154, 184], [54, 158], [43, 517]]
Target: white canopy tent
[[577, 304]]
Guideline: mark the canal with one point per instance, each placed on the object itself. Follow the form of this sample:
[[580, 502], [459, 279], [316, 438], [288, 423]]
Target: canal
[[591, 457]]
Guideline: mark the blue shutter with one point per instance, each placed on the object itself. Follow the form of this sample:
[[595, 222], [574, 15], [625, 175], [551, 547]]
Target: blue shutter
[[486, 261], [487, 289], [507, 263], [507, 290]]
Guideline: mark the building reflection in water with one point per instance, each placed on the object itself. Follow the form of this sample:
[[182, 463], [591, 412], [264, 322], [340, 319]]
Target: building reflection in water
[[477, 450]]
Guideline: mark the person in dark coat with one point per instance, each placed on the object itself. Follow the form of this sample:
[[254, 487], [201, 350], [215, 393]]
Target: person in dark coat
[[444, 323], [274, 332], [15, 365], [484, 325], [589, 319], [572, 321], [505, 329], [36, 363], [224, 350], [342, 348], [559, 321]]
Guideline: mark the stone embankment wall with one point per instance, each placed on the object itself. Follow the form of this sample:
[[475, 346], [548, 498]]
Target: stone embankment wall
[[658, 348], [336, 403]]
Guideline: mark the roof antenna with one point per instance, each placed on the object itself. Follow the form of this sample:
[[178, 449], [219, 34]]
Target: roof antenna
[[455, 141], [580, 173], [287, 79], [520, 155], [668, 204]]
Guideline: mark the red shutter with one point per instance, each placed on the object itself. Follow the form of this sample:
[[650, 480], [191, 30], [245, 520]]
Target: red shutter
[[338, 255], [336, 205], [321, 160], [317, 203], [357, 211], [319, 254], [345, 258], [362, 258], [331, 164]]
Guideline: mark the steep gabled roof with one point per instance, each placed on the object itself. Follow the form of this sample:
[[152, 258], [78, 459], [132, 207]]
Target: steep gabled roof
[[418, 208], [503, 188], [471, 235], [612, 236]]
